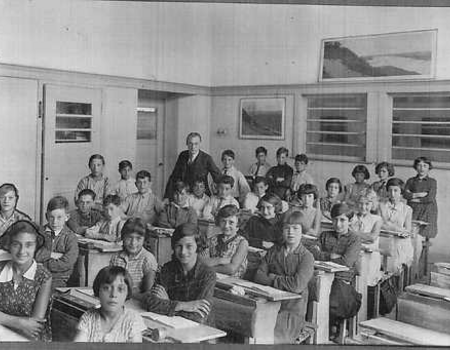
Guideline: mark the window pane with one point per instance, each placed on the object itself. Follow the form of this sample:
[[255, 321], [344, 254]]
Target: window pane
[[421, 126], [73, 108], [73, 136], [73, 123], [146, 125], [336, 125]]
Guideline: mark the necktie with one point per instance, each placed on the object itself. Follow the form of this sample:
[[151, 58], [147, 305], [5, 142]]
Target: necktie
[[225, 171], [257, 169]]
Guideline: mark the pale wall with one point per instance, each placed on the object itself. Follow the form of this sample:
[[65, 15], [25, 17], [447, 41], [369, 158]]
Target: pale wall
[[255, 44], [158, 41]]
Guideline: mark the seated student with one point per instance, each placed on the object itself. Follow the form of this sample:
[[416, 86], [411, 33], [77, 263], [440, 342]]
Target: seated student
[[143, 204], [223, 197], [280, 176], [300, 175], [354, 190], [138, 261], [342, 247], [334, 188], [227, 251], [367, 226], [60, 250], [9, 214], [198, 198], [289, 266], [241, 187], [86, 215], [261, 167], [95, 181], [184, 286], [312, 216], [126, 185], [110, 227], [178, 211], [397, 216], [112, 322], [25, 285], [260, 187], [384, 170], [264, 229]]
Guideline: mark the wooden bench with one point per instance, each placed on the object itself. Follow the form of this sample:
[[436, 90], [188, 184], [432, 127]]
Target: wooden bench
[[396, 332]]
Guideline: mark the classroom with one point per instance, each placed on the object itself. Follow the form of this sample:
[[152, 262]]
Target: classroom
[[225, 172]]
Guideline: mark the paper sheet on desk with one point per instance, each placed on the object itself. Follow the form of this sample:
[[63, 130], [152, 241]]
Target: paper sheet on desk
[[104, 246], [175, 322], [330, 266]]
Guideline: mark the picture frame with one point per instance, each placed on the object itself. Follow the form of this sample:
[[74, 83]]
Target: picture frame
[[402, 55], [262, 118]]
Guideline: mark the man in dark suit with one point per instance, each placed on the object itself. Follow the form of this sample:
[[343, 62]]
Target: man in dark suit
[[192, 164]]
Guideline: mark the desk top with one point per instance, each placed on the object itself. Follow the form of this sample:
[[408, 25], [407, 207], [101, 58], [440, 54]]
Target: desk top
[[329, 266], [255, 289], [100, 245], [8, 335], [430, 291], [177, 329]]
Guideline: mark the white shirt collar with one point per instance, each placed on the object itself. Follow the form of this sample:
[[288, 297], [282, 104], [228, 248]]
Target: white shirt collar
[[7, 273], [48, 229]]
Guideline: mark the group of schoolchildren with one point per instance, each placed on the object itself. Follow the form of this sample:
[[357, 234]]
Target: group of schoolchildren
[[286, 220]]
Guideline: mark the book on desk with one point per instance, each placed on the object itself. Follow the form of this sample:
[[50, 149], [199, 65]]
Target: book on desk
[[103, 246], [329, 266]]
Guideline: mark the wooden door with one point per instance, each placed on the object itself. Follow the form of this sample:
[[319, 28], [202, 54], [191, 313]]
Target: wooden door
[[71, 133]]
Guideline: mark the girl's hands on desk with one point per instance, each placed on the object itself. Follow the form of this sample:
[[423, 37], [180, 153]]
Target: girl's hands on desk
[[160, 292], [335, 256], [202, 307], [55, 255]]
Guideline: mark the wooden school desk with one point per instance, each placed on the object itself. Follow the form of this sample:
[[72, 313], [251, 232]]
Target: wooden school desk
[[158, 241], [252, 315], [93, 256], [70, 305], [8, 335]]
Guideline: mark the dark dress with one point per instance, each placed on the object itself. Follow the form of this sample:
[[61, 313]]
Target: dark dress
[[293, 273], [187, 172], [258, 229], [426, 209], [20, 301]]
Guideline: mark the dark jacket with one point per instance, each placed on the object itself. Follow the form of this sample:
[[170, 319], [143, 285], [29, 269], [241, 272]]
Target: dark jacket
[[188, 173]]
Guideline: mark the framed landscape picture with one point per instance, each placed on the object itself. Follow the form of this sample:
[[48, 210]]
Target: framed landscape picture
[[407, 55], [262, 118]]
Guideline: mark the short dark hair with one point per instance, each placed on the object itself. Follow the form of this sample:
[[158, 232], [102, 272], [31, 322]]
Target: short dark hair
[[341, 209], [308, 189], [108, 274], [271, 198], [282, 150], [57, 202], [133, 225], [260, 179], [96, 156], [396, 182], [193, 134], [422, 159], [228, 153], [226, 180], [142, 174], [361, 169], [180, 186], [20, 227], [125, 163], [112, 199], [187, 230], [302, 158], [87, 192], [388, 166], [295, 217], [261, 149], [334, 180], [226, 212]]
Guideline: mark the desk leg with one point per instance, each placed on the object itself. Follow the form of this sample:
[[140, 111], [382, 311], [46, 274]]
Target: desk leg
[[362, 284], [263, 322], [324, 282], [82, 264]]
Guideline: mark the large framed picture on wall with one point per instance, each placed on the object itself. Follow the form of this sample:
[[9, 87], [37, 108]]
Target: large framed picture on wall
[[262, 118], [405, 55]]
